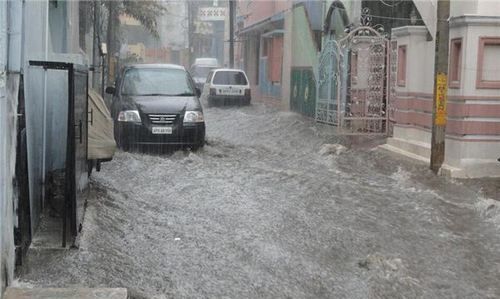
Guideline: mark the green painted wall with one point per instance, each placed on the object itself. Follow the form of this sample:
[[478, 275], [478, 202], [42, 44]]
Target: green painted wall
[[304, 61], [304, 49], [303, 91]]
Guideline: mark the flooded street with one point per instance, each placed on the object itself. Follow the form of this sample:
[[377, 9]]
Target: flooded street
[[275, 206]]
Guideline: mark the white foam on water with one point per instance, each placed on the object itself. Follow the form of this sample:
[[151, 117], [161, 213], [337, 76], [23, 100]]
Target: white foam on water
[[17, 283], [489, 209], [332, 149]]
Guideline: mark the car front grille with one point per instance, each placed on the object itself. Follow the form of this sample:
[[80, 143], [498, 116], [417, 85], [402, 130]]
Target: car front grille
[[162, 119]]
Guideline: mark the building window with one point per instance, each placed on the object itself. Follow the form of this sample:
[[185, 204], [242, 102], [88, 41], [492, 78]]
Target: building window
[[265, 47], [488, 66], [402, 66], [455, 62]]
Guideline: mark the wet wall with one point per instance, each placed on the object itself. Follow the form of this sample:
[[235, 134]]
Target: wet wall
[[8, 107]]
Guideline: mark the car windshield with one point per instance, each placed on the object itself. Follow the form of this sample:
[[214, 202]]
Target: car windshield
[[230, 78], [201, 71], [160, 81]]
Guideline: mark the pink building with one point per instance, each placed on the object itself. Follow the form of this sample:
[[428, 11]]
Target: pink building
[[473, 122], [261, 33]]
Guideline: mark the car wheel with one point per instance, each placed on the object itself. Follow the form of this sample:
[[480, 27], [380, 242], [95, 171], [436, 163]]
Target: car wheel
[[123, 146], [197, 146], [210, 102], [121, 142]]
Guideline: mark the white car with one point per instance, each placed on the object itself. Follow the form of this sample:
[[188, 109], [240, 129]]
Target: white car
[[206, 61], [227, 86]]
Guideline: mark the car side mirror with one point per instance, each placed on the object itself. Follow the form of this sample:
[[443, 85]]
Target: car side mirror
[[110, 90], [198, 92]]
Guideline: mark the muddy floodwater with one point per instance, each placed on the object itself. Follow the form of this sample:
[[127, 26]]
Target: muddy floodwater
[[275, 206]]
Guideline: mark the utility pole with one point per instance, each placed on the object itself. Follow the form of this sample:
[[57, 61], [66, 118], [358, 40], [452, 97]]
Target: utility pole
[[95, 45], [231, 33], [190, 7], [440, 86], [113, 43]]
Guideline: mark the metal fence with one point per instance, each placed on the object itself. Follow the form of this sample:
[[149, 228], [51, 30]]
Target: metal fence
[[352, 87]]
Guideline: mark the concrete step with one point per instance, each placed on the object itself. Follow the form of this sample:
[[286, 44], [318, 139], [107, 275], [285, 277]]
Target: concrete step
[[420, 149], [66, 293]]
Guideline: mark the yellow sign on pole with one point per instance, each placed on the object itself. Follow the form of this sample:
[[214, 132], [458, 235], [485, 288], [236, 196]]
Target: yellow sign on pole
[[441, 99]]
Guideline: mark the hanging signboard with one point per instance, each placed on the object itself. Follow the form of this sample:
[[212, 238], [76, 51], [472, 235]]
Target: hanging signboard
[[212, 14]]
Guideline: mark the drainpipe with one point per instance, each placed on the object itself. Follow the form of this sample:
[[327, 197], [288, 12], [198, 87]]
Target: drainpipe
[[15, 21], [3, 97], [3, 79], [96, 60], [231, 33], [44, 124], [3, 43]]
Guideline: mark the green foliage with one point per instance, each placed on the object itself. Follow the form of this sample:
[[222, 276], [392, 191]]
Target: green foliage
[[144, 11], [131, 58]]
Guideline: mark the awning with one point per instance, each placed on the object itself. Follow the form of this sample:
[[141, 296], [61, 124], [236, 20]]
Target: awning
[[273, 33], [271, 22]]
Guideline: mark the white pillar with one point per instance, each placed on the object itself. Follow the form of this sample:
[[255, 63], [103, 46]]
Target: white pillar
[[287, 57]]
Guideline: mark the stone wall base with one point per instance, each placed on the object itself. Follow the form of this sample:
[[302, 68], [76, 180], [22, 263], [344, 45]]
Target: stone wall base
[[62, 293], [463, 158]]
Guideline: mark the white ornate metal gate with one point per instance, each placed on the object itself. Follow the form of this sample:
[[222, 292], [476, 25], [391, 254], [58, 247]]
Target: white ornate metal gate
[[353, 81], [327, 89]]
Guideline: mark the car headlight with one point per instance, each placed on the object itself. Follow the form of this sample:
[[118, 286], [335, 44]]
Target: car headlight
[[193, 117], [129, 116]]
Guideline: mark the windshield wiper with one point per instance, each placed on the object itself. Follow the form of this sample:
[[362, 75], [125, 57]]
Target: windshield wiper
[[184, 94], [154, 94]]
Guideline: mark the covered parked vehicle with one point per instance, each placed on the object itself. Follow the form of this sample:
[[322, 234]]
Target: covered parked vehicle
[[200, 74], [200, 70], [156, 105], [101, 141]]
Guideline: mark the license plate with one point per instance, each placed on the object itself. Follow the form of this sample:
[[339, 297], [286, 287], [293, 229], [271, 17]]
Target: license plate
[[162, 130], [230, 91]]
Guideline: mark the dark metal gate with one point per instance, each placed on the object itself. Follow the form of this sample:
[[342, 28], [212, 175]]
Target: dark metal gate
[[76, 173], [22, 231]]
